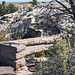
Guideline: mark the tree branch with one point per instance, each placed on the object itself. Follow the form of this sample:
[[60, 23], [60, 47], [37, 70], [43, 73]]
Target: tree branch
[[67, 9]]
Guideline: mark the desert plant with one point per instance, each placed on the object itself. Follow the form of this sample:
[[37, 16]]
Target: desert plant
[[1, 9], [10, 8], [30, 8], [34, 2], [61, 59], [3, 3]]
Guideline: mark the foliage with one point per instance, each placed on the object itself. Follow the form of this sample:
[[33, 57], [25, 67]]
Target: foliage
[[30, 8], [40, 54], [11, 8], [34, 2], [7, 9], [61, 59], [3, 3], [1, 9]]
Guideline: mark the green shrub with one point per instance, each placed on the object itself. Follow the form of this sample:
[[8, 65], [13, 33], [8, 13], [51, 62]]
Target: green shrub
[[11, 8], [7, 9], [34, 2], [30, 8], [62, 56], [1, 9], [3, 3]]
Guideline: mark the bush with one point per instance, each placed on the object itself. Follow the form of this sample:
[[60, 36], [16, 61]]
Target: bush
[[3, 3], [34, 2], [62, 57], [11, 8], [7, 9], [1, 9], [30, 8]]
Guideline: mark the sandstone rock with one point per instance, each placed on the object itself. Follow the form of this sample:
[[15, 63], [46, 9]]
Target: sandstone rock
[[12, 56], [12, 47], [16, 64], [20, 47], [6, 70], [38, 40], [36, 48], [8, 48], [23, 71], [20, 63]]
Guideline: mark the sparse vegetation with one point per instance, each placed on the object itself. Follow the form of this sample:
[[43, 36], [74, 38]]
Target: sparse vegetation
[[61, 58], [30, 8], [10, 8], [34, 2], [40, 54]]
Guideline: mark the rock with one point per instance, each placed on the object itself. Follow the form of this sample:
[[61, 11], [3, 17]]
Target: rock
[[36, 48], [8, 48], [7, 35], [16, 64], [12, 56], [20, 47], [12, 47], [38, 40], [41, 59], [23, 71], [7, 70]]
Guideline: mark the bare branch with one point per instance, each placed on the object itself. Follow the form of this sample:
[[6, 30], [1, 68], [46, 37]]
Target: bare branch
[[67, 9]]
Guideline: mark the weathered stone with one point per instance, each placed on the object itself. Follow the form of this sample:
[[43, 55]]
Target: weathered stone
[[11, 55], [20, 63], [36, 48], [7, 70], [16, 64], [8, 48], [12, 47], [39, 40], [20, 47]]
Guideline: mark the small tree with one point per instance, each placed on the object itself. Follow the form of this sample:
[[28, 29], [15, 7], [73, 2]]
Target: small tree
[[3, 3], [34, 2]]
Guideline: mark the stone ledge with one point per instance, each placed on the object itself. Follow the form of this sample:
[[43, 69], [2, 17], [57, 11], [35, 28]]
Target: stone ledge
[[14, 47], [36, 48], [38, 40], [12, 56], [16, 64]]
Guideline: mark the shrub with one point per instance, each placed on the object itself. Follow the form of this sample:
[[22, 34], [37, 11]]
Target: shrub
[[1, 9], [3, 3], [11, 8], [7, 9], [30, 8], [34, 2], [62, 57]]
